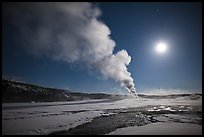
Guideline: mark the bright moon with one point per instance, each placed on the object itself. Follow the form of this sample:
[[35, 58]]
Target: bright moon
[[161, 47]]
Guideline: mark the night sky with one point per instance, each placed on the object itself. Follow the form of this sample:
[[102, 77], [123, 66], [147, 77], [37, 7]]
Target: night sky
[[135, 27]]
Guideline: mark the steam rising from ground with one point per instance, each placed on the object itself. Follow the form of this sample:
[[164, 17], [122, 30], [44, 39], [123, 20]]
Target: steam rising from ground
[[70, 32]]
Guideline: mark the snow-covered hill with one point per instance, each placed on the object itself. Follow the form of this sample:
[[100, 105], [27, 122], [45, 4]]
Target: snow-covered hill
[[13, 91]]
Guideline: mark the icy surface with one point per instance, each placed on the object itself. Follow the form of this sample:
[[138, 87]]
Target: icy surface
[[44, 118], [164, 129]]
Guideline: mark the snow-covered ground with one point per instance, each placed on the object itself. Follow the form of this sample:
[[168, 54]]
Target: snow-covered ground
[[161, 129], [44, 118]]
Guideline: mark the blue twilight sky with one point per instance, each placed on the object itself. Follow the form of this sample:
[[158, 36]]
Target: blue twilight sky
[[135, 27]]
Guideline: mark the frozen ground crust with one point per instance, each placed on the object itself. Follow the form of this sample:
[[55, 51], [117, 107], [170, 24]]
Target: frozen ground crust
[[46, 118], [164, 129]]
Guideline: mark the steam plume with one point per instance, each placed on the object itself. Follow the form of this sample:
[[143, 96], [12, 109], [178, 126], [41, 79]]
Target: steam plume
[[70, 32]]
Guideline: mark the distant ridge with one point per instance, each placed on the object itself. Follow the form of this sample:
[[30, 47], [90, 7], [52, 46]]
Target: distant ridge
[[171, 96], [15, 91]]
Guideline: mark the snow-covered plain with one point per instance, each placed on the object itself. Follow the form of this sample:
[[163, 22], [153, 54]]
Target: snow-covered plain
[[44, 118], [161, 129]]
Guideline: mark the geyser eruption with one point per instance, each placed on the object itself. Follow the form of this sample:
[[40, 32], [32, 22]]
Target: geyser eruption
[[70, 32], [114, 67]]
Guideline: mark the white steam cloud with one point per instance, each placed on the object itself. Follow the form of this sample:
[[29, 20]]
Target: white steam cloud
[[70, 32]]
